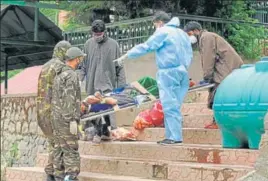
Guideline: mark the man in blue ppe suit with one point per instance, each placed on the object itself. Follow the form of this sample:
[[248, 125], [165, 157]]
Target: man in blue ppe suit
[[173, 57]]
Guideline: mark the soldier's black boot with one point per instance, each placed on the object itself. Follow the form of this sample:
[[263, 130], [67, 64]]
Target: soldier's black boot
[[50, 178], [59, 179]]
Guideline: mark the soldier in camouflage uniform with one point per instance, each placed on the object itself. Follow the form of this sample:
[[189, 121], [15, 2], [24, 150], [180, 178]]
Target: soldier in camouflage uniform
[[44, 96], [66, 100]]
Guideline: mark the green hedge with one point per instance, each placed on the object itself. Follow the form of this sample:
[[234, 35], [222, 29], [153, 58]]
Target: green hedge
[[11, 73]]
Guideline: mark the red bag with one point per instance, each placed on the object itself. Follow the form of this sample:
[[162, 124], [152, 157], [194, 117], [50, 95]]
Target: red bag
[[146, 115], [150, 118], [157, 114], [143, 120]]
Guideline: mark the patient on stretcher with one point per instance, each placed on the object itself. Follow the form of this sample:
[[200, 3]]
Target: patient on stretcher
[[97, 103]]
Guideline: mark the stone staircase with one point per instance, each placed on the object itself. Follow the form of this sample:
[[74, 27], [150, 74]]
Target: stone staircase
[[200, 158]]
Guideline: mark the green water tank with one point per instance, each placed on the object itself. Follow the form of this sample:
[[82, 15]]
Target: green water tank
[[240, 104]]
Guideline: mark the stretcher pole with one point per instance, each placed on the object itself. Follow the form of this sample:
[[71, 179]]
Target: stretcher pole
[[132, 105]]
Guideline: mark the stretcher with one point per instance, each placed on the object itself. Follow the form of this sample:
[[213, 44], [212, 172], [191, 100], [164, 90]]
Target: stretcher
[[93, 116]]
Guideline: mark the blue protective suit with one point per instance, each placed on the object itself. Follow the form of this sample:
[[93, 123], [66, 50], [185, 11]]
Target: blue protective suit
[[173, 58]]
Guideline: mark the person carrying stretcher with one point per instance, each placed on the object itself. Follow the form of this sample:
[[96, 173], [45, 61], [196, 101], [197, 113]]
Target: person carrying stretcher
[[218, 59]]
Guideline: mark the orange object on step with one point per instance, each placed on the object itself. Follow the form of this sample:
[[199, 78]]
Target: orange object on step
[[212, 126], [192, 83], [143, 120], [157, 114]]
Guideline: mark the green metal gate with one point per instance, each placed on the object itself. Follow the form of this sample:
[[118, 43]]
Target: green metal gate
[[132, 32]]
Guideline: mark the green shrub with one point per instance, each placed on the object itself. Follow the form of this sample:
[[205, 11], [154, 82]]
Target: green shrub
[[245, 37], [9, 158], [11, 73]]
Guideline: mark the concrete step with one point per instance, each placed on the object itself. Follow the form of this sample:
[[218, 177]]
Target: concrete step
[[157, 169], [189, 121], [198, 96], [197, 120], [195, 109], [181, 152], [194, 113], [190, 135], [38, 174]]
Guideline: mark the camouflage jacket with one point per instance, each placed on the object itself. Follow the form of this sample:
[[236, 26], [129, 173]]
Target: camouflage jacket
[[44, 93], [45, 84], [66, 96]]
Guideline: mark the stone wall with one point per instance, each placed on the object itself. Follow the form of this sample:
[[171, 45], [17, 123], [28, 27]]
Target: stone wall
[[20, 135]]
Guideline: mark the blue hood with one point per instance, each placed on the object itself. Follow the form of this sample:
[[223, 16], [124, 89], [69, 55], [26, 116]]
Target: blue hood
[[174, 22], [172, 45]]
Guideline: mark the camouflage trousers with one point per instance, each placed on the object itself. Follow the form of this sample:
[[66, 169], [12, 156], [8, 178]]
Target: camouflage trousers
[[66, 159], [49, 167], [44, 122]]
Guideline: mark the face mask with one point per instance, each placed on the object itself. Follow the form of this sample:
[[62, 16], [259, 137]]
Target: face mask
[[99, 38], [158, 25], [193, 39]]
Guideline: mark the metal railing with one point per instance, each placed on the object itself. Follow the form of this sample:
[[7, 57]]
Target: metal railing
[[129, 33], [261, 13]]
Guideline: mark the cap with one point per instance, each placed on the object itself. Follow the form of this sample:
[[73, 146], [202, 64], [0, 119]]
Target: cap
[[161, 16], [74, 52], [192, 25]]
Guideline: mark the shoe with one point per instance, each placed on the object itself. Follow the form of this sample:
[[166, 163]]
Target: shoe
[[168, 142], [212, 126], [59, 179], [50, 178], [68, 178], [96, 139], [161, 141]]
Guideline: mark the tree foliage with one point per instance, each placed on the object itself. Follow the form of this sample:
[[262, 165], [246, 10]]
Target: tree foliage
[[85, 12], [245, 37], [50, 14]]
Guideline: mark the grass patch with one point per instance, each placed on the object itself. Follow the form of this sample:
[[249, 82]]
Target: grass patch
[[11, 73]]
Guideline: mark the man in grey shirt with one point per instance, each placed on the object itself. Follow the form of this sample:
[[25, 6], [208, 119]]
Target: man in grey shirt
[[101, 73]]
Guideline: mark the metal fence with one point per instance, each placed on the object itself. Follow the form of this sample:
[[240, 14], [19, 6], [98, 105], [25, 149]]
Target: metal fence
[[261, 13], [132, 32], [128, 33]]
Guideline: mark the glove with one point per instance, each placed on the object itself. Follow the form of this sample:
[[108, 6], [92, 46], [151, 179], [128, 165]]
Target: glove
[[191, 83], [118, 90], [81, 133], [120, 61], [202, 82]]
